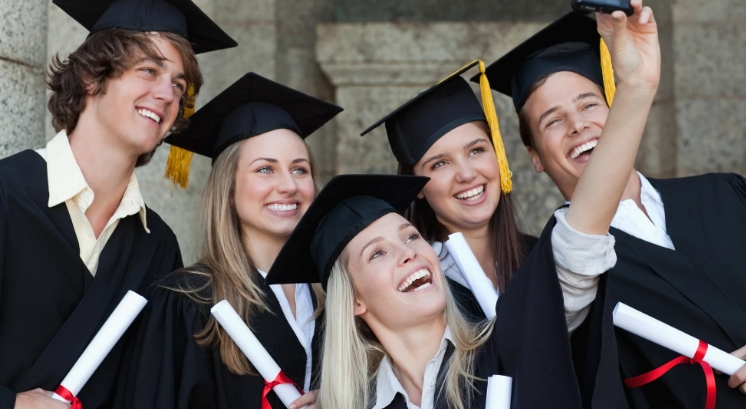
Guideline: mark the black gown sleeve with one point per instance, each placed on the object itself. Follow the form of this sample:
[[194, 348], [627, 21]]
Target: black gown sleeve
[[7, 395], [167, 369]]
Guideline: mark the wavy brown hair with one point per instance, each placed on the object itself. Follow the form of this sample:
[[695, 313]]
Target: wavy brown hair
[[226, 268], [106, 55], [508, 248]]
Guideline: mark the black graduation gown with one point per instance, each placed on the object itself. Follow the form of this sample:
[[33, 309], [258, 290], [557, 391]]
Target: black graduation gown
[[465, 299], [50, 304], [170, 371], [530, 344], [700, 288]]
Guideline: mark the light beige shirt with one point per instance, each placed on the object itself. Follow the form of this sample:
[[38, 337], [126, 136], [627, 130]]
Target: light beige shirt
[[67, 184]]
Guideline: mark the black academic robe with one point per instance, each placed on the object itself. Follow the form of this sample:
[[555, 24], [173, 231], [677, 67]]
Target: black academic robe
[[50, 304], [530, 344], [700, 288], [465, 299], [170, 371]]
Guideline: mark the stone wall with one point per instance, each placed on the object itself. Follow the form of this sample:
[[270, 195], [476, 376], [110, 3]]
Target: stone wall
[[23, 44]]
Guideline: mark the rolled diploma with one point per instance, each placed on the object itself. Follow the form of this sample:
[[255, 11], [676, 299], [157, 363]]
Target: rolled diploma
[[480, 285], [655, 331], [253, 349], [102, 343], [499, 390]]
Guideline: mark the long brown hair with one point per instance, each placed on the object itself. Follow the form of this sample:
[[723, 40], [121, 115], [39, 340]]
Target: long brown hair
[[226, 267], [508, 248]]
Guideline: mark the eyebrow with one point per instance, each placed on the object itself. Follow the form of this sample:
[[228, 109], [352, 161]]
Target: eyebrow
[[474, 142], [432, 158], [404, 226], [576, 99], [370, 243], [276, 161]]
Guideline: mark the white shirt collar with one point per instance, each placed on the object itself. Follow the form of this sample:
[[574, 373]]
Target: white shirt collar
[[388, 385], [66, 180]]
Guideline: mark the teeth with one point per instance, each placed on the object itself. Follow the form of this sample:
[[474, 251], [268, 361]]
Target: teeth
[[149, 114], [282, 207], [583, 148], [414, 277], [471, 193]]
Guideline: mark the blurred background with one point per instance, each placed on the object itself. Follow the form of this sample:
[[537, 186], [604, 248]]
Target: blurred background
[[369, 56]]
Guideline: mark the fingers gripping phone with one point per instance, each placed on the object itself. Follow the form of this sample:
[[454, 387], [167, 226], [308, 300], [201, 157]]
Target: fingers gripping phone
[[603, 6]]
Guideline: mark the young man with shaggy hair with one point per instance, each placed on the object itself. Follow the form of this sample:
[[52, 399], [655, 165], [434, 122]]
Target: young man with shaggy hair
[[75, 233]]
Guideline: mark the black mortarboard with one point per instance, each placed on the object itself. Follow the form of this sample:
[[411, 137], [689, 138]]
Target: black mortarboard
[[181, 17], [347, 205], [251, 106], [571, 43], [415, 126]]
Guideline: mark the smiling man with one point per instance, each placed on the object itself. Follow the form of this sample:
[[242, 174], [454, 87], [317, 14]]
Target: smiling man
[[679, 242], [75, 232]]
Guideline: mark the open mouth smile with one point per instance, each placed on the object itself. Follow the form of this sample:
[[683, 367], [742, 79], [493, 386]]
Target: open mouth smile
[[471, 194], [419, 280], [150, 115], [585, 148]]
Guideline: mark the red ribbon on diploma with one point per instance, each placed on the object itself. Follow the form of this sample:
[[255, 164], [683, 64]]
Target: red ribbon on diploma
[[636, 381], [268, 386], [68, 396]]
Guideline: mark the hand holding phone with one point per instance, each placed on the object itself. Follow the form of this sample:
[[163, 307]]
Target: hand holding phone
[[603, 6], [633, 44]]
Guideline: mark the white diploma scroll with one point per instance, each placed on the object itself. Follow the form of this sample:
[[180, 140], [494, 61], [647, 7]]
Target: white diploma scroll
[[253, 349], [101, 344], [499, 390], [480, 285], [647, 327]]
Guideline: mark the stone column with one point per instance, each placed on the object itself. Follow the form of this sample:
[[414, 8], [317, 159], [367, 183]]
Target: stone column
[[375, 67], [710, 73], [22, 58]]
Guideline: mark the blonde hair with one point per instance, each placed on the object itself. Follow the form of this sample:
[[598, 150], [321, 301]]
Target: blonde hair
[[225, 266], [351, 353]]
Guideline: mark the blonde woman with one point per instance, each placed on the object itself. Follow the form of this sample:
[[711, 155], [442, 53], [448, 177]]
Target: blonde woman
[[261, 184]]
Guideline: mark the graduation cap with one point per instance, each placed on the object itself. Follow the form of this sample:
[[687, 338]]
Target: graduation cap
[[571, 43], [251, 106], [181, 17], [345, 207], [415, 126]]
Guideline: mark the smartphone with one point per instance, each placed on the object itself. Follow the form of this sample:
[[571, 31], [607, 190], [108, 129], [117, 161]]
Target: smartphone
[[603, 6]]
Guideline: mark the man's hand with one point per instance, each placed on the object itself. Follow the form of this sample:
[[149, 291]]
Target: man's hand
[[38, 399], [739, 378], [307, 399]]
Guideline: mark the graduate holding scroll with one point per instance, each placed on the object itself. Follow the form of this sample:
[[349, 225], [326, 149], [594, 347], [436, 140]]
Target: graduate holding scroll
[[75, 232], [679, 242], [262, 182]]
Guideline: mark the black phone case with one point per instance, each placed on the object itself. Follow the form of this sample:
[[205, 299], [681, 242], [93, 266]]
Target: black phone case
[[607, 7]]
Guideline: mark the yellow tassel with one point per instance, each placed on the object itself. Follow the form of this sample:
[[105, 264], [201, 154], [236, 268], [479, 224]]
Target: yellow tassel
[[180, 160], [506, 183], [608, 73]]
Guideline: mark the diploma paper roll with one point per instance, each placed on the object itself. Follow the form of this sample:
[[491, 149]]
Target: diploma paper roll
[[499, 390], [655, 331], [102, 343], [480, 285], [253, 349]]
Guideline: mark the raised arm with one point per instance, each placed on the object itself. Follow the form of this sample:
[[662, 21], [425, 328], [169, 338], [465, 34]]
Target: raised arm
[[635, 55]]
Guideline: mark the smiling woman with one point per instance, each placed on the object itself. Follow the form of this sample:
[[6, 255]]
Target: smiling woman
[[394, 336], [261, 183]]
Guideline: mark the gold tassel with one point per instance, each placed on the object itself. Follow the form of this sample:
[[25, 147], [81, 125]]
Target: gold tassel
[[180, 160], [506, 183], [608, 73]]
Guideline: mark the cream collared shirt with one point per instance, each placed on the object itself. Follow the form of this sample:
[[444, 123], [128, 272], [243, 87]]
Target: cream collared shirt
[[67, 185], [631, 220], [388, 385]]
